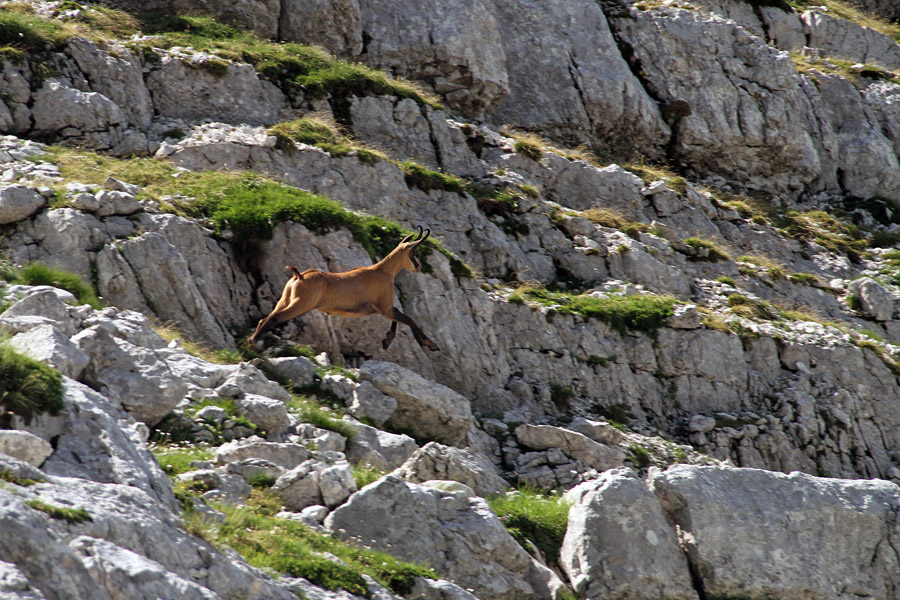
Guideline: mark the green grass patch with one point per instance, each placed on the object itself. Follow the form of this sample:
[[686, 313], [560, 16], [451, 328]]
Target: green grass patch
[[323, 133], [707, 249], [803, 278], [21, 29], [363, 475], [310, 412], [71, 515], [727, 280], [8, 477], [531, 516], [36, 273], [293, 549], [773, 268], [176, 460], [291, 66], [751, 308], [645, 313], [828, 231], [27, 387], [640, 456]]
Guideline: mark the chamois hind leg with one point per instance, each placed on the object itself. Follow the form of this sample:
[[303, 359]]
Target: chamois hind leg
[[389, 336], [399, 317], [282, 313]]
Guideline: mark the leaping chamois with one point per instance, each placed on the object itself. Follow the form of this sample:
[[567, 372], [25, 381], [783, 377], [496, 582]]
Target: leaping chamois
[[355, 293]]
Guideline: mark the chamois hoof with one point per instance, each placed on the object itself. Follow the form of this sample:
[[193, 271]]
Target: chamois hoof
[[385, 343], [430, 345]]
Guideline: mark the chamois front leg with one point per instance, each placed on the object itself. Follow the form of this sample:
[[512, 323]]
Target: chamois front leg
[[423, 340]]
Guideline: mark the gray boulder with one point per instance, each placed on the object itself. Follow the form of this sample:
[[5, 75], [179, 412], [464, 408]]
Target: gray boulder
[[229, 92], [314, 482], [461, 537], [757, 533], [379, 449], [424, 408], [619, 544], [18, 202], [137, 377], [48, 345], [299, 369], [875, 301], [436, 461], [70, 115], [25, 446], [367, 401], [576, 445], [267, 413], [284, 455]]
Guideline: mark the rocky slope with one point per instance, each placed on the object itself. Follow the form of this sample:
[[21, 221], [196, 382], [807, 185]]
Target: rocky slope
[[598, 322]]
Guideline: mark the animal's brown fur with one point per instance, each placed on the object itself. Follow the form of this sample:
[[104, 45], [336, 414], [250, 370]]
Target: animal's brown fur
[[355, 293]]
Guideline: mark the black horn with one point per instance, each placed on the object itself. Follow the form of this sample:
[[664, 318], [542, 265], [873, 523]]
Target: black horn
[[423, 237]]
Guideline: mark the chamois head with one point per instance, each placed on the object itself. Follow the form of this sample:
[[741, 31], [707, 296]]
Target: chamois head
[[405, 250]]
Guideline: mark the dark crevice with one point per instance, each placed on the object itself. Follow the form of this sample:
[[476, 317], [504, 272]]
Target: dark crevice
[[574, 74], [438, 157], [614, 12]]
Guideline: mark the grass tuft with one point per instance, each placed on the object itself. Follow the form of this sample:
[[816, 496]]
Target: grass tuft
[[531, 516], [27, 387], [645, 313], [36, 273], [292, 548], [71, 515]]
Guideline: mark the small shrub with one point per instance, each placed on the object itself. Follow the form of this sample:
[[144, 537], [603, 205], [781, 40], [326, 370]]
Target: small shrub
[[36, 273], [707, 249], [750, 308], [640, 456], [27, 387], [363, 475], [529, 149], [531, 516], [310, 412], [803, 278], [773, 268], [292, 548], [70, 515], [561, 395]]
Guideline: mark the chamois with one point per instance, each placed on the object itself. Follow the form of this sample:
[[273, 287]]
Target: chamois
[[355, 293]]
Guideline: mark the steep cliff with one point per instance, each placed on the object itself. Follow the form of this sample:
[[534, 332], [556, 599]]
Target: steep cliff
[[709, 277]]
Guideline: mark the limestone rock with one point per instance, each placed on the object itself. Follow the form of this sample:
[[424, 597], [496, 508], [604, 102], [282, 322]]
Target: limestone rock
[[332, 24], [137, 377], [368, 402], [47, 344], [456, 48], [379, 449], [826, 532], [763, 97], [18, 202], [314, 482], [436, 461], [593, 454], [25, 446], [463, 539], [875, 301], [186, 90], [48, 303], [217, 486], [285, 455], [425, 408], [619, 545], [69, 115], [267, 413], [117, 76], [842, 38], [299, 369]]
